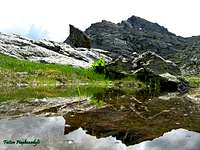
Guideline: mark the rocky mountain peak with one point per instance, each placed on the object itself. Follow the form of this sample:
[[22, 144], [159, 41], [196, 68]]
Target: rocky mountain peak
[[138, 35], [134, 35], [77, 38], [142, 24], [102, 27]]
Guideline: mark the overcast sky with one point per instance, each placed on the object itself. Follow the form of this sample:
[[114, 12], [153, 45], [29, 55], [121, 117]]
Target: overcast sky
[[50, 18]]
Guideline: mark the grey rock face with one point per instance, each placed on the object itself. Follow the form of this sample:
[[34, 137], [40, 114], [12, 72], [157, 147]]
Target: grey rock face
[[139, 35], [148, 60], [143, 24], [155, 63], [148, 67], [134, 35], [119, 67], [48, 51], [189, 58], [77, 38]]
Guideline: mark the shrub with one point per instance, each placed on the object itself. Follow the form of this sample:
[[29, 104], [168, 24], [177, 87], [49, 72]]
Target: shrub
[[99, 66]]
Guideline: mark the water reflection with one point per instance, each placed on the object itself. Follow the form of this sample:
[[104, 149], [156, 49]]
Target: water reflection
[[46, 101], [50, 132], [47, 130], [133, 119], [129, 115]]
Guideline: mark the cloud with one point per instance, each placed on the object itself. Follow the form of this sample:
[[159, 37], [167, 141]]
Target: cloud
[[34, 32], [37, 33], [54, 16]]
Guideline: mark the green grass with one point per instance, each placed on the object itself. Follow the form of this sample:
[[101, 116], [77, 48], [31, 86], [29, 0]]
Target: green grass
[[40, 73], [194, 81], [97, 102]]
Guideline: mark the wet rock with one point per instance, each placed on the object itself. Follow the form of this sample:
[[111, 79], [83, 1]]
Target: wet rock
[[164, 82], [78, 38], [168, 96], [195, 98], [44, 106], [183, 86]]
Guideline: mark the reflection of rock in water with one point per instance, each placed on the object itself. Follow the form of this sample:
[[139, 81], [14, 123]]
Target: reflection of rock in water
[[107, 122], [83, 141], [175, 140], [44, 107], [179, 139], [133, 121], [50, 131]]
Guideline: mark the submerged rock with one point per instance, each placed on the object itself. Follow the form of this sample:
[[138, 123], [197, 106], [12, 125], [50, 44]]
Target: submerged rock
[[44, 107], [194, 98]]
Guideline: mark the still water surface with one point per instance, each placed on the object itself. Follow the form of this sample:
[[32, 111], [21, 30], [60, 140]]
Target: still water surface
[[130, 116]]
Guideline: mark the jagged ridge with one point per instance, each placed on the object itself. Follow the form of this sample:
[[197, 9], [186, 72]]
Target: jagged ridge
[[139, 35]]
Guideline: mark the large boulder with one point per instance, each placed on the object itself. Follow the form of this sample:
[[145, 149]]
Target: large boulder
[[78, 38], [156, 64], [120, 67], [150, 68]]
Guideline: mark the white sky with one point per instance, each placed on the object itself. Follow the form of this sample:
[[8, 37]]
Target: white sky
[[50, 18]]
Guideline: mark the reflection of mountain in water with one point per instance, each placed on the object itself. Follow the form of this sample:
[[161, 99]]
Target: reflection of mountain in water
[[50, 132]]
